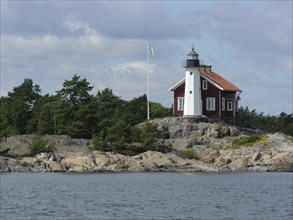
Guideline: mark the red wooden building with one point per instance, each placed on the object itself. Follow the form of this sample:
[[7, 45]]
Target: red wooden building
[[215, 96]]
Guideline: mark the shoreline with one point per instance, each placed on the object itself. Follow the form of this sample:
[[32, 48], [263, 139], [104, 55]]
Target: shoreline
[[191, 147], [150, 161]]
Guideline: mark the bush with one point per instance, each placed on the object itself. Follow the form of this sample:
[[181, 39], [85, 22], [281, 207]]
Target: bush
[[190, 154], [100, 144], [39, 145], [119, 133], [123, 139], [246, 140], [113, 137], [149, 133], [10, 130]]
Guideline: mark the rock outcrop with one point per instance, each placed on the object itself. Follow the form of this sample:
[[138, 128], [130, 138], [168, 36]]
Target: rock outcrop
[[211, 141], [105, 162]]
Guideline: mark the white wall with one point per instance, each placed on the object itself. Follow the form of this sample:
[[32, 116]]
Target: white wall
[[192, 102]]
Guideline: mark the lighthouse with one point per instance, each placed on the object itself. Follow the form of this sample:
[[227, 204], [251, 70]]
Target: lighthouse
[[192, 94]]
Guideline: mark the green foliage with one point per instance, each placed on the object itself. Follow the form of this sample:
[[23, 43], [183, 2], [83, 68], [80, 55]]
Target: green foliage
[[76, 91], [149, 133], [246, 140], [112, 136], [100, 144], [19, 105], [288, 129], [8, 131], [135, 111], [45, 119], [75, 112], [27, 91], [190, 154], [4, 120], [281, 123], [119, 134], [158, 111], [40, 145], [124, 139], [75, 109], [109, 105]]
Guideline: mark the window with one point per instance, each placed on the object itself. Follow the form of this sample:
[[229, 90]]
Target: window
[[223, 103], [230, 106], [211, 104], [180, 104], [190, 92], [190, 73], [204, 85]]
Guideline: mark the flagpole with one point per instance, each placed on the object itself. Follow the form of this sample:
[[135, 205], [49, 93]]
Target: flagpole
[[148, 102]]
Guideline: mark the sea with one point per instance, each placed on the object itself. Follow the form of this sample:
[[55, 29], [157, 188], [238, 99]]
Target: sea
[[146, 196]]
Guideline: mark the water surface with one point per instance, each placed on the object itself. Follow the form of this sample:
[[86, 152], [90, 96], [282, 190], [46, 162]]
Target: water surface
[[146, 196]]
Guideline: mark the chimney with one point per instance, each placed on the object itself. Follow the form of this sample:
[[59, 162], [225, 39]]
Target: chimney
[[208, 69]]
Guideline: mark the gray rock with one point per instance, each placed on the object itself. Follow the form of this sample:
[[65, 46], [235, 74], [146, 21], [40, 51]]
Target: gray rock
[[13, 165], [55, 166], [73, 155]]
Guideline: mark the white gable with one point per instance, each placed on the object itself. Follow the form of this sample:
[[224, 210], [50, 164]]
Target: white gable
[[172, 88]]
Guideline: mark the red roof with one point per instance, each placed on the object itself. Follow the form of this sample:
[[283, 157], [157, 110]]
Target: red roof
[[220, 81], [213, 78]]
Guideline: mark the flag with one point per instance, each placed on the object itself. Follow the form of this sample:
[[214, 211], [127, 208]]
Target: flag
[[152, 51]]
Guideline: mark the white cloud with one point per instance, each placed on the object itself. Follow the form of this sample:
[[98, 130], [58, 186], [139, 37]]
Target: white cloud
[[105, 42], [254, 34]]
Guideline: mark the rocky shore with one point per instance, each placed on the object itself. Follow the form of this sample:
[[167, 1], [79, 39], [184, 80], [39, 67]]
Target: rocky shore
[[211, 141]]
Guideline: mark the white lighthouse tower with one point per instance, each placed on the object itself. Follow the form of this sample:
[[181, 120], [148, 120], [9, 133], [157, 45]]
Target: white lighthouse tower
[[192, 95]]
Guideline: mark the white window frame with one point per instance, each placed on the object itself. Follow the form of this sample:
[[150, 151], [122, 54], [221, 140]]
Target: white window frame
[[204, 85], [223, 104], [210, 103], [230, 106], [180, 103]]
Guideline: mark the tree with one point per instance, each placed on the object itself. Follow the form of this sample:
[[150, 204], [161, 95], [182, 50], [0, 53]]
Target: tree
[[6, 127], [20, 104], [149, 133], [27, 91], [157, 110], [135, 110], [87, 114], [74, 98], [109, 105], [42, 110], [45, 123], [119, 134], [268, 123], [284, 123], [76, 91]]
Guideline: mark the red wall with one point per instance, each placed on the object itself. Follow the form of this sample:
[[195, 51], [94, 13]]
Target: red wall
[[179, 92], [227, 113], [211, 91]]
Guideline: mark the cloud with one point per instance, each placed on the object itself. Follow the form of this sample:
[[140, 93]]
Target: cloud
[[255, 35], [257, 44], [105, 62], [105, 42], [135, 20]]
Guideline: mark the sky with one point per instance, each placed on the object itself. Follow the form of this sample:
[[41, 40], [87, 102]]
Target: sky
[[247, 42]]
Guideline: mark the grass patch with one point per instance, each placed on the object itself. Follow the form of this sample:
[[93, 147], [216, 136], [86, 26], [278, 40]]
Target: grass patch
[[263, 140], [244, 141], [190, 154]]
